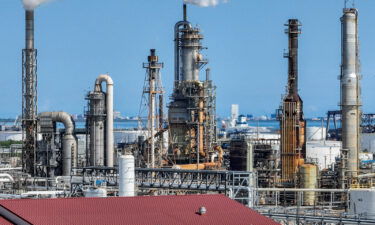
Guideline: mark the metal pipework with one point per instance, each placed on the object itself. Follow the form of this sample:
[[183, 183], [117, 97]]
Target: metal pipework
[[350, 89], [109, 118], [69, 142]]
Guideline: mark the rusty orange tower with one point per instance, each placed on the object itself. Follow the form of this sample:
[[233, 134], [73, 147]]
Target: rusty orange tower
[[292, 123]]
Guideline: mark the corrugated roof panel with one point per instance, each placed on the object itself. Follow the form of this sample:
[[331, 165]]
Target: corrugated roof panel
[[146, 210], [3, 221]]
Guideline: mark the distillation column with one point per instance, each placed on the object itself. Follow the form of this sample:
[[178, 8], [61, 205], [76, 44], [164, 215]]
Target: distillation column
[[191, 111], [350, 90], [29, 97], [100, 123], [292, 123]]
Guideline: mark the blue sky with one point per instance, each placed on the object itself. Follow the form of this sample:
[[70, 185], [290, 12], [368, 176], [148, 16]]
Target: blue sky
[[77, 40]]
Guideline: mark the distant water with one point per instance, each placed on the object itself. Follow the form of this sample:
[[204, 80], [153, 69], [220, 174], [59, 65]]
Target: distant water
[[276, 124], [261, 123]]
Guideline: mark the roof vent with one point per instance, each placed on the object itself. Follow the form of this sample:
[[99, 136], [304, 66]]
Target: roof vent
[[202, 210]]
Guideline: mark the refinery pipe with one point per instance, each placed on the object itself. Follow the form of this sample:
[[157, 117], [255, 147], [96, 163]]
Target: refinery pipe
[[109, 111], [69, 142], [4, 177]]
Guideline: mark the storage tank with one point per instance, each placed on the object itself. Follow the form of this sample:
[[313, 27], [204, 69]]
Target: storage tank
[[315, 133], [95, 193], [126, 176], [323, 153], [362, 202], [309, 179]]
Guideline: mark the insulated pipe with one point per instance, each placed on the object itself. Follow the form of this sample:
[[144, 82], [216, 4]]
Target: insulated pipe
[[109, 120], [69, 142], [8, 178]]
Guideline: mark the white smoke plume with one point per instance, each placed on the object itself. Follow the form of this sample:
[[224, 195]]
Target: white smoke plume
[[205, 3], [32, 4]]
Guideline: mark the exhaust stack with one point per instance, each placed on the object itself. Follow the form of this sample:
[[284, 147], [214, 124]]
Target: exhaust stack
[[29, 96], [350, 90], [292, 123]]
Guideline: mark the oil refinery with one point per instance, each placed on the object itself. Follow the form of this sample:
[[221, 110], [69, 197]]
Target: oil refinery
[[296, 172]]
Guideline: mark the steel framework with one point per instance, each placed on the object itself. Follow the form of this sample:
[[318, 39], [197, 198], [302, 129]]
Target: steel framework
[[29, 97]]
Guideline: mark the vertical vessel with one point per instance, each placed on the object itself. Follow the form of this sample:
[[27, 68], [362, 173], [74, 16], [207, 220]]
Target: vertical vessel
[[350, 92], [192, 123]]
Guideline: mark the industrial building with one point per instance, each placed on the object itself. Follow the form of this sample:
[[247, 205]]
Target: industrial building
[[294, 172]]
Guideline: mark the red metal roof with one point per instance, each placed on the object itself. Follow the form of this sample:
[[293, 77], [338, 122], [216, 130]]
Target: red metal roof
[[4, 221], [145, 210]]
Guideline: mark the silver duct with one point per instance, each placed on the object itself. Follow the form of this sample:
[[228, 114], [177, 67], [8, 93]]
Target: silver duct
[[350, 90], [69, 143]]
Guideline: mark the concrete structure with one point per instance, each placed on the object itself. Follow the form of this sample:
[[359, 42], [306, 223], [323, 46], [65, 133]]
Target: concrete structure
[[234, 114]]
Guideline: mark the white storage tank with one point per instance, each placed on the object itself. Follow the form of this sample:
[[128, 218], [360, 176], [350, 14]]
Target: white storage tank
[[362, 202], [324, 153], [315, 133], [126, 175], [95, 193]]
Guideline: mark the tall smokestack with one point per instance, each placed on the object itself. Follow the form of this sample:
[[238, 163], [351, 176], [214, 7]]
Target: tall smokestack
[[29, 29], [292, 123], [185, 12], [29, 93], [293, 32], [350, 90]]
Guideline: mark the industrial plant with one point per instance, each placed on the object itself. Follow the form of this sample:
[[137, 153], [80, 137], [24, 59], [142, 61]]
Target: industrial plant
[[295, 173]]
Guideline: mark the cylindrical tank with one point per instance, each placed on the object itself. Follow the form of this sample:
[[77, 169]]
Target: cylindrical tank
[[315, 133], [308, 179], [190, 54], [126, 175], [95, 193]]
